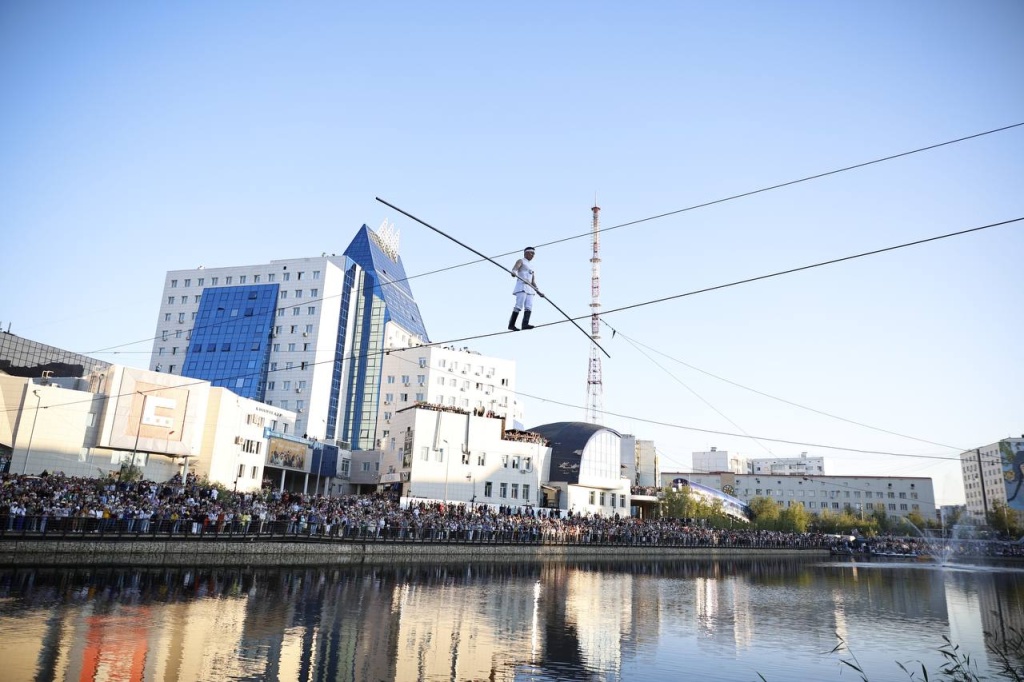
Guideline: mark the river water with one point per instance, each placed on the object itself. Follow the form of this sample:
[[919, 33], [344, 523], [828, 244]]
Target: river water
[[743, 619]]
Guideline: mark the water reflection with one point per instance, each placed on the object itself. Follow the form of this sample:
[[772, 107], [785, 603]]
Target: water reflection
[[725, 619]]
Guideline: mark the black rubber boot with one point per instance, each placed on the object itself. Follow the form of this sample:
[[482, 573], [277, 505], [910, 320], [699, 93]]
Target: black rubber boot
[[512, 321], [526, 320]]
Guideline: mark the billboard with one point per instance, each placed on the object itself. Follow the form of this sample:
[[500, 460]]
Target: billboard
[[287, 454], [1011, 453]]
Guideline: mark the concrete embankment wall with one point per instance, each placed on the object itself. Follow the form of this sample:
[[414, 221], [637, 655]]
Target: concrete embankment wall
[[251, 553]]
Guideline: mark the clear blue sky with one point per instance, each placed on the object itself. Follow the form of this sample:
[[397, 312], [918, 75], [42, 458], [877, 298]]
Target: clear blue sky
[[137, 138]]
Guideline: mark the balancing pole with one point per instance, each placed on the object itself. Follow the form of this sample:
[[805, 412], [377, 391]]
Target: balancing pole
[[496, 263]]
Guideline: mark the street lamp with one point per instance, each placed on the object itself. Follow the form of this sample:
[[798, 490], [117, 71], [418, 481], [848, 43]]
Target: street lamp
[[318, 448], [446, 468], [32, 432], [138, 431]]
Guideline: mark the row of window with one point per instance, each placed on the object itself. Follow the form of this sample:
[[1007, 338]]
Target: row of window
[[287, 385], [505, 488], [467, 367], [600, 497], [298, 293], [768, 492], [242, 279], [297, 310]]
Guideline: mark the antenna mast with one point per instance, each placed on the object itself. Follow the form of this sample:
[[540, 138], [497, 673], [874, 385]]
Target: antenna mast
[[594, 388]]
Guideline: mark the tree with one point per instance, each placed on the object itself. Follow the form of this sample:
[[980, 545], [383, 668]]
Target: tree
[[1004, 520], [795, 518], [766, 513]]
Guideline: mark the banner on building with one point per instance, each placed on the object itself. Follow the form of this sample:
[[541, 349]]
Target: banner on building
[[1012, 456], [287, 454]]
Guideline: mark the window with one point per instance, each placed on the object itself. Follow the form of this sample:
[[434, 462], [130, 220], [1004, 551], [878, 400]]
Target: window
[[198, 297], [298, 293], [271, 385], [188, 282], [309, 329], [181, 318], [316, 274], [298, 275], [214, 280], [174, 284], [241, 279], [314, 292], [602, 499], [167, 317], [366, 466], [515, 491], [256, 279], [503, 490], [200, 281], [591, 497], [228, 279], [487, 489], [425, 453], [526, 492], [170, 300], [272, 277], [404, 397], [622, 500], [286, 276], [481, 459], [311, 310], [284, 294], [291, 347], [295, 310]]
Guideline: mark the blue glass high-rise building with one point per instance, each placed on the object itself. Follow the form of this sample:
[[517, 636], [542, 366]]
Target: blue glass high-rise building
[[303, 334]]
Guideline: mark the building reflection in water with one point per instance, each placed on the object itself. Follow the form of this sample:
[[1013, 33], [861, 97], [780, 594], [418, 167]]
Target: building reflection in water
[[487, 621]]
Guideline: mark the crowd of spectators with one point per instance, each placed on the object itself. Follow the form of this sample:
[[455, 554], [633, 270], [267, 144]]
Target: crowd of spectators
[[54, 503]]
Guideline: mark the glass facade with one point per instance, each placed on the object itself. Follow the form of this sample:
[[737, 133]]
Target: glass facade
[[375, 292], [230, 345], [24, 358]]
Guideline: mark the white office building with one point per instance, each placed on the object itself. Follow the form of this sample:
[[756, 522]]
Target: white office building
[[719, 460], [994, 475], [448, 377], [303, 334], [788, 466], [896, 496]]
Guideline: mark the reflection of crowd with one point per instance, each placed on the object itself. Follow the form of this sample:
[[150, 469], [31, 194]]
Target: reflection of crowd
[[286, 458], [650, 490], [889, 545], [60, 504]]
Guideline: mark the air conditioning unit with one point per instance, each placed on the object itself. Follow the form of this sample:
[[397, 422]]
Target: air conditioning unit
[[305, 334], [387, 402], [407, 384], [239, 440], [298, 390], [522, 471], [299, 411]]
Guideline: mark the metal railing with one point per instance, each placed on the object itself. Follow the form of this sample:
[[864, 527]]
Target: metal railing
[[85, 528]]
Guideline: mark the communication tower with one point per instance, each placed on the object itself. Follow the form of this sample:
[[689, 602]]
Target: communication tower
[[594, 387]]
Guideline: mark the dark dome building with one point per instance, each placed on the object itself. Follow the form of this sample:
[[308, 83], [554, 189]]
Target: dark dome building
[[585, 469]]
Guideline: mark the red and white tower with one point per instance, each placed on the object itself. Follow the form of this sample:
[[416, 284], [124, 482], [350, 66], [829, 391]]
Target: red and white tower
[[594, 388]]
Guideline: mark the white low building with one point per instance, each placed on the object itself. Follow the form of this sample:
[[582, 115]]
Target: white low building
[[160, 423], [447, 455], [896, 496]]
